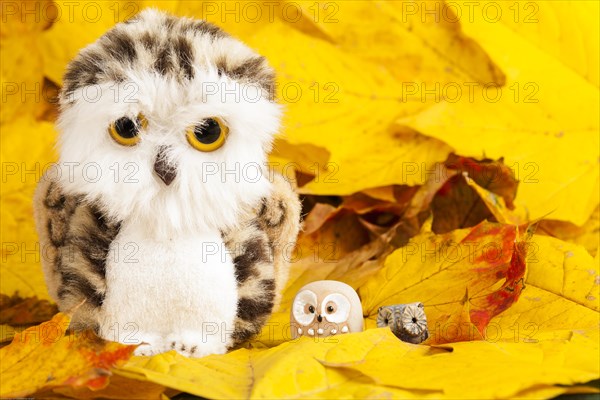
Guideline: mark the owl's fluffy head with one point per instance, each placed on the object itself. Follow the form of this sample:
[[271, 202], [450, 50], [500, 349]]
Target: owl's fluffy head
[[177, 73]]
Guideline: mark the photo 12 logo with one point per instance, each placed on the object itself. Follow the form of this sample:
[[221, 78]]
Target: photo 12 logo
[[470, 11], [255, 11], [70, 171], [67, 11], [453, 92]]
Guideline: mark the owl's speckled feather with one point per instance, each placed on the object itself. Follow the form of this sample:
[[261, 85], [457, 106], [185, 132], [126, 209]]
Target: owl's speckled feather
[[194, 262]]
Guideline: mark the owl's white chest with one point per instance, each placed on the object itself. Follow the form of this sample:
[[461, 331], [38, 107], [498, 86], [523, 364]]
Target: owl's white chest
[[175, 287]]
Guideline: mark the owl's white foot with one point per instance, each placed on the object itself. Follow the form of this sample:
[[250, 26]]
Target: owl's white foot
[[189, 344], [149, 343], [148, 350], [192, 344]]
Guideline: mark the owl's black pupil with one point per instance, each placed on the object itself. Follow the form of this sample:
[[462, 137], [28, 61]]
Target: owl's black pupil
[[330, 309], [311, 309], [414, 320], [208, 132], [126, 128]]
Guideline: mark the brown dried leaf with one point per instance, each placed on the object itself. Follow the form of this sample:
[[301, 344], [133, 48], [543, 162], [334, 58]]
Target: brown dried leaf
[[25, 311]]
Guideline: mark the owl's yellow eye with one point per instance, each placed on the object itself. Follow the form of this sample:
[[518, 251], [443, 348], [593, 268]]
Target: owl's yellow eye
[[207, 136], [125, 131]]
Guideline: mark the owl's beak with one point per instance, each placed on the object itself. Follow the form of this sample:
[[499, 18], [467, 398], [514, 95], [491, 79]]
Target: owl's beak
[[165, 171], [319, 318]]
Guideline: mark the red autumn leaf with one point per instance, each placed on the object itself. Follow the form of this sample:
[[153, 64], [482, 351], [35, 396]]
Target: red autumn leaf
[[49, 356], [484, 261], [492, 175]]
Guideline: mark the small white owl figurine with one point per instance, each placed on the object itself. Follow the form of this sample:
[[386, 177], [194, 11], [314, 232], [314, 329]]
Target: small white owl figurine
[[161, 225], [326, 308]]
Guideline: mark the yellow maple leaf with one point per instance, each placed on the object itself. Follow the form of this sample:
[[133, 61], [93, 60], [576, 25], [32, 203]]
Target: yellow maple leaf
[[45, 356], [349, 104], [26, 153], [373, 363], [576, 48], [561, 295], [536, 121], [79, 25], [476, 370], [21, 77]]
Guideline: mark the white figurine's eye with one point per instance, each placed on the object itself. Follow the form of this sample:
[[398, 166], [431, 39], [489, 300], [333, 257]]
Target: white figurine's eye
[[125, 131], [208, 135], [336, 308], [304, 307]]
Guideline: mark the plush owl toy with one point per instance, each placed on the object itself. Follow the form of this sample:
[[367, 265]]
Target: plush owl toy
[[160, 223]]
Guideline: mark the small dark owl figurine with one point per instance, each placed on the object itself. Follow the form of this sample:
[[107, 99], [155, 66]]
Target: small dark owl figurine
[[407, 322], [326, 308], [164, 227]]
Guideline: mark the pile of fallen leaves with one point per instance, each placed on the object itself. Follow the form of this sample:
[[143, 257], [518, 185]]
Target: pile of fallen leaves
[[481, 205]]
